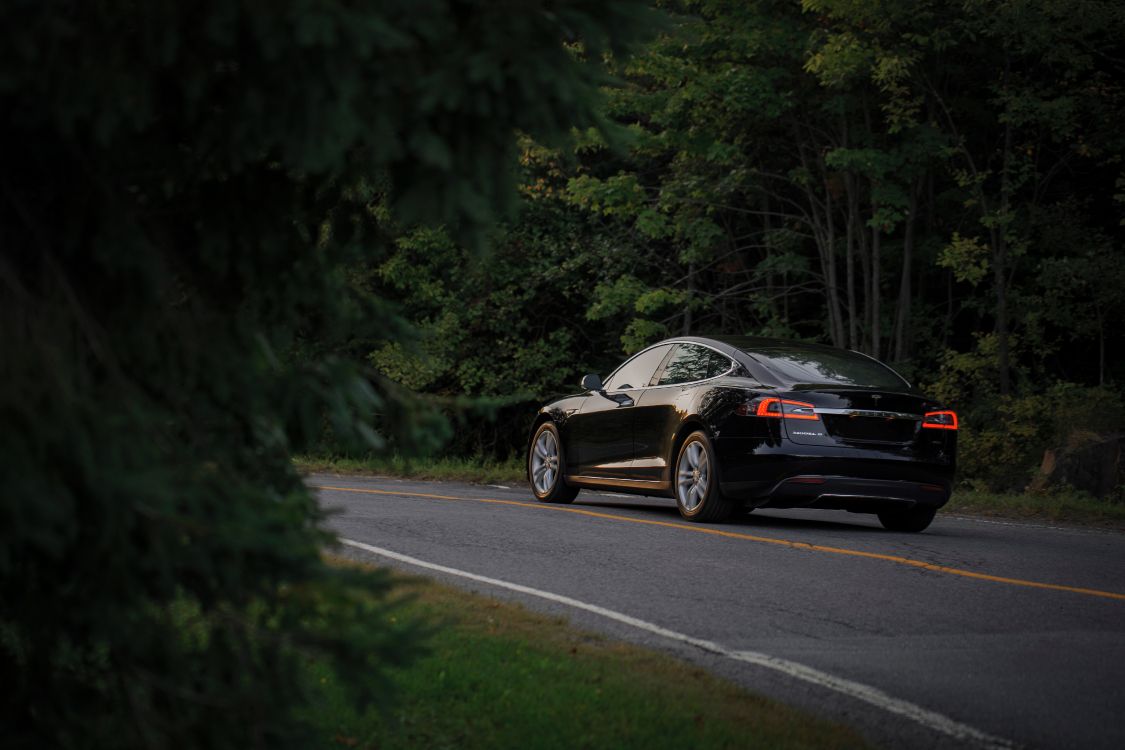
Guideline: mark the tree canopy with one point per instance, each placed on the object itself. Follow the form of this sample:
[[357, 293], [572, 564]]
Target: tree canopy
[[937, 184]]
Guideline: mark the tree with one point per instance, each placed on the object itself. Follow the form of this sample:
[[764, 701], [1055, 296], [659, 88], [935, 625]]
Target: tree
[[184, 187]]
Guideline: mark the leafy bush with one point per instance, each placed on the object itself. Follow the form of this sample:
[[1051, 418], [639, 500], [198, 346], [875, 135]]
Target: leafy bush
[[1003, 438]]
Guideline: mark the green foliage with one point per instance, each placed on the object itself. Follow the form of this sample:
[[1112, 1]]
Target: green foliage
[[620, 194], [1003, 437], [192, 202], [933, 184], [966, 257]]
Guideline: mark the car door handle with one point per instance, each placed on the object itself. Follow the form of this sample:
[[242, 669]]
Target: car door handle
[[622, 399]]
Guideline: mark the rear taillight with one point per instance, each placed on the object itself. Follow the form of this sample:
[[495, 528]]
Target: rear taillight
[[940, 420], [778, 408]]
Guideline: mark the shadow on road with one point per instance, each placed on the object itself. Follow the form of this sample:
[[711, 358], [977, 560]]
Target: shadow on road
[[846, 522], [657, 508], [756, 520]]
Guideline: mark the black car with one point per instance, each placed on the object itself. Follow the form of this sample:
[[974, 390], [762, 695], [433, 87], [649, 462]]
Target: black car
[[729, 422]]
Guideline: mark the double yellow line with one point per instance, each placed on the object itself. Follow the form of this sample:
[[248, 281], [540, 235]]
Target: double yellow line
[[751, 538]]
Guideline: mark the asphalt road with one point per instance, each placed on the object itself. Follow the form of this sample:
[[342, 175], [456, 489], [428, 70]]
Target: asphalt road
[[972, 633]]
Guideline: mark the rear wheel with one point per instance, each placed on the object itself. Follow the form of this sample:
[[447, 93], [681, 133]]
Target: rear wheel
[[697, 482], [545, 466], [913, 520]]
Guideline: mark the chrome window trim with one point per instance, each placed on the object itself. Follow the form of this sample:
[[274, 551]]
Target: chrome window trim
[[733, 365]]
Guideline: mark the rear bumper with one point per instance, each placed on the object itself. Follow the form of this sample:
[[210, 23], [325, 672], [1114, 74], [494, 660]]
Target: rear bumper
[[848, 493], [789, 476]]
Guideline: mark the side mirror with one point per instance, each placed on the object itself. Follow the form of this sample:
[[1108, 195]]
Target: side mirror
[[592, 382]]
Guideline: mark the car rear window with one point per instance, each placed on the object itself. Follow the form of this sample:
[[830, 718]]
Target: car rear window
[[828, 366]]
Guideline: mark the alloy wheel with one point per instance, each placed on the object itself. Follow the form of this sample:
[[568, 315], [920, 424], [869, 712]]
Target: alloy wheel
[[693, 476], [545, 462]]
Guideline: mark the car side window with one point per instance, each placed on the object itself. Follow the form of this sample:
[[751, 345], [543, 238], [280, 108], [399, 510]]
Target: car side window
[[720, 364], [691, 362], [638, 371]]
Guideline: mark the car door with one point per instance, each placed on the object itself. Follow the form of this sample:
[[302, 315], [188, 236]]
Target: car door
[[662, 408], [602, 430]]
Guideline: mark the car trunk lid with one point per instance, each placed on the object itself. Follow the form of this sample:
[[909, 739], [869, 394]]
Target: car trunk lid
[[854, 416]]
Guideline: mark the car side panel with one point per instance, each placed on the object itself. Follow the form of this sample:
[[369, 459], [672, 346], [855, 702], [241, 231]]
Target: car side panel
[[660, 412], [601, 433], [561, 413]]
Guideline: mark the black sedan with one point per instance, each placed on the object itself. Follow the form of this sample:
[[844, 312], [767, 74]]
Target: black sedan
[[723, 423]]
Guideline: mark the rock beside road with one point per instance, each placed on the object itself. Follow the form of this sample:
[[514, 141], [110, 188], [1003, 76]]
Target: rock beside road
[[1089, 462]]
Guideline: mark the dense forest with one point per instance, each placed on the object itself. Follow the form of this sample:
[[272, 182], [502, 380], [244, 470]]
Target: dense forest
[[939, 185]]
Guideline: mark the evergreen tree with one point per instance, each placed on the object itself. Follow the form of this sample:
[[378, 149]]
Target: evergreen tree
[[183, 187]]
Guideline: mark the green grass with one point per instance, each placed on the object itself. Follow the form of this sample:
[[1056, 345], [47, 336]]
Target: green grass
[[1058, 507], [448, 469], [500, 676]]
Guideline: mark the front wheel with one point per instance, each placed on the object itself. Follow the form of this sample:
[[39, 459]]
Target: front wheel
[[912, 520], [545, 466], [697, 482]]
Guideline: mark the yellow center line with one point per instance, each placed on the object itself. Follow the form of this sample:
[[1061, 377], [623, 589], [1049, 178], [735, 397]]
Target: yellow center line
[[752, 538]]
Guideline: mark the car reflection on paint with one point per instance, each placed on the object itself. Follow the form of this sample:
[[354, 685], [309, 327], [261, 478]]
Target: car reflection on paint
[[724, 423]]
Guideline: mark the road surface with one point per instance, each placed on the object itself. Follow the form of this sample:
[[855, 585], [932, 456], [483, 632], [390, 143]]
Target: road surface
[[974, 633]]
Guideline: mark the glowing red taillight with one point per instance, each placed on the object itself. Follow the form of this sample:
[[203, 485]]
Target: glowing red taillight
[[940, 420], [778, 408]]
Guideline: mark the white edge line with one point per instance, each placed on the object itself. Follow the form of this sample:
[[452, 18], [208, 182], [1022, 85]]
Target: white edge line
[[1030, 525], [858, 691]]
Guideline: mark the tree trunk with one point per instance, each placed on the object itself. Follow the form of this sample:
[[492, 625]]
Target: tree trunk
[[1000, 264], [767, 226], [876, 235], [948, 310], [687, 304], [872, 272], [849, 241], [1101, 351], [902, 312], [865, 273], [828, 262], [1000, 250], [849, 261], [824, 233]]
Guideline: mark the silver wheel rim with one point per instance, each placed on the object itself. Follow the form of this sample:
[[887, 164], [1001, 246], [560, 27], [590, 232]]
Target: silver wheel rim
[[693, 476], [544, 462]]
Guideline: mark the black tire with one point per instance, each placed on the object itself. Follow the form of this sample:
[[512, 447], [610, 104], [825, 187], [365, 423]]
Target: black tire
[[913, 520], [709, 504], [552, 487]]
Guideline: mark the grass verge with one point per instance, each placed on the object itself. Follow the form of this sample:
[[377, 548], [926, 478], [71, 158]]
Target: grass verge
[[501, 676], [1058, 507], [448, 469]]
